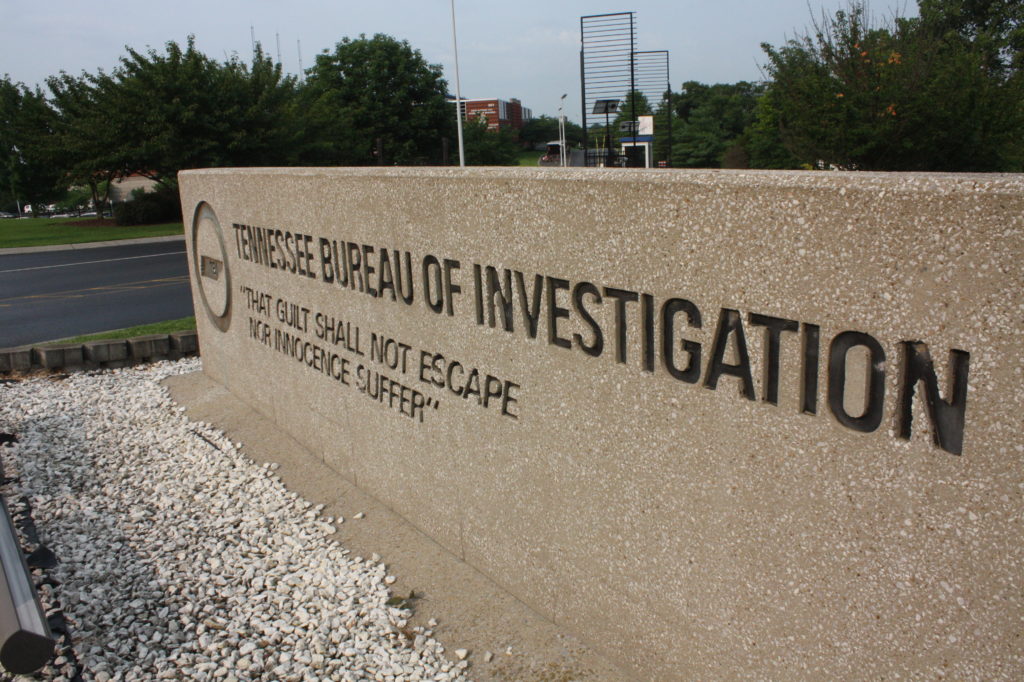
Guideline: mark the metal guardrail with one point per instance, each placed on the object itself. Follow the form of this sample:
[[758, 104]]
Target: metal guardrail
[[26, 644]]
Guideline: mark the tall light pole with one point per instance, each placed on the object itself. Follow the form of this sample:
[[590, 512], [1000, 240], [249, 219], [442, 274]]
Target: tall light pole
[[561, 131], [458, 92]]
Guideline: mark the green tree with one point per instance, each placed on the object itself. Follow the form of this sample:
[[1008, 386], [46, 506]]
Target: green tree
[[606, 132], [632, 105], [371, 89], [713, 120], [544, 129], [157, 114], [995, 28], [486, 147], [764, 139], [79, 198], [84, 138], [983, 50], [933, 93], [28, 173], [170, 118], [183, 110], [263, 104]]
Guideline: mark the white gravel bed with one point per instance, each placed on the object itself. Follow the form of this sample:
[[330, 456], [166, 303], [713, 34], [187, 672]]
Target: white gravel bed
[[179, 558]]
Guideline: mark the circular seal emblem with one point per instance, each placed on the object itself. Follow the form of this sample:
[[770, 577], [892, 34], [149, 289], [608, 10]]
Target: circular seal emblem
[[210, 263]]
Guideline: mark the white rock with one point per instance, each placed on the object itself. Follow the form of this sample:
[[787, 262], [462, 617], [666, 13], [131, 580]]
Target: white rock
[[180, 558], [462, 653]]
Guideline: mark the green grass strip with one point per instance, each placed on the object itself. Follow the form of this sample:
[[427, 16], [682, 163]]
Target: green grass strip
[[529, 158], [16, 232], [167, 327]]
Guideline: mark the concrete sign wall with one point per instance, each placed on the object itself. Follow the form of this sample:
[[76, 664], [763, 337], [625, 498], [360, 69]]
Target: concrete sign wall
[[718, 423]]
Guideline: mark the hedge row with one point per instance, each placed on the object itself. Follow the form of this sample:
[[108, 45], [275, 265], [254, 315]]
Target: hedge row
[[149, 208]]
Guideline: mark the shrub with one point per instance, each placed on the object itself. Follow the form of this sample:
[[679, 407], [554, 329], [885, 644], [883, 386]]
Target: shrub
[[147, 208]]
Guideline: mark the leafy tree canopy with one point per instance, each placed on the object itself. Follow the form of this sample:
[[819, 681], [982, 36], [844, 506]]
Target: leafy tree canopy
[[486, 147], [939, 92], [544, 129], [374, 88], [632, 105], [159, 113], [28, 173], [712, 119], [994, 27]]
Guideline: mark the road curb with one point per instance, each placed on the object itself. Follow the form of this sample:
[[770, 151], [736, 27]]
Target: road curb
[[105, 354], [90, 245]]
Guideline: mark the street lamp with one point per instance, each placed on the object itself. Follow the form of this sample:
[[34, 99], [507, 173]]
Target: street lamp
[[561, 132]]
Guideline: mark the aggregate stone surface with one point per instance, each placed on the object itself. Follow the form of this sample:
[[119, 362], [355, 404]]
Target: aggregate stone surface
[[690, 525], [850, 555], [179, 558]]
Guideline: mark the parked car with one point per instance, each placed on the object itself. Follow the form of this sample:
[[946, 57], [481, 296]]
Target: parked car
[[552, 154]]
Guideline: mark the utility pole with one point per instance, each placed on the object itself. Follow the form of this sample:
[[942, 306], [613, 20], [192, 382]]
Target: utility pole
[[458, 92], [561, 132]]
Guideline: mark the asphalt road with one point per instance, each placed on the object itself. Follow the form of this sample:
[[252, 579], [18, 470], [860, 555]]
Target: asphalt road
[[56, 294]]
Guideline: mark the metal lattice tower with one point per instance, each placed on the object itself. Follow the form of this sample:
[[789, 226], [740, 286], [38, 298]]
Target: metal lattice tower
[[607, 66], [653, 80]]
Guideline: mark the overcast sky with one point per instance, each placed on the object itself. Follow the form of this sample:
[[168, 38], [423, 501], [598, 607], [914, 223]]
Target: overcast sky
[[527, 49]]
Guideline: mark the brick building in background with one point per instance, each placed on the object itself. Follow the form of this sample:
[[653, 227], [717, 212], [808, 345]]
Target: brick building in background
[[121, 189], [500, 114]]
